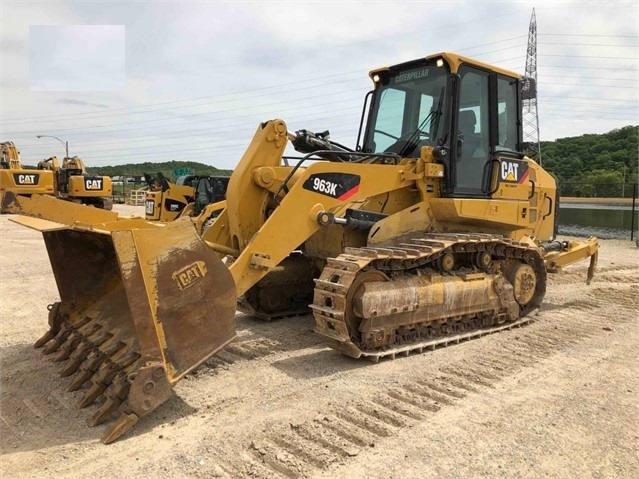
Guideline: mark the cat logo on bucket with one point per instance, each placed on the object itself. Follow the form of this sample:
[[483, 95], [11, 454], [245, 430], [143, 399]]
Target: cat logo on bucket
[[513, 171], [189, 275], [22, 179]]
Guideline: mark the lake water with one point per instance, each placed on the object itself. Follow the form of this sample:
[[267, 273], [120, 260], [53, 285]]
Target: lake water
[[602, 221]]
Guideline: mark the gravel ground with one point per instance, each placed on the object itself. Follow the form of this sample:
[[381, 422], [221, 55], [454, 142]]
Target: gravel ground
[[557, 398]]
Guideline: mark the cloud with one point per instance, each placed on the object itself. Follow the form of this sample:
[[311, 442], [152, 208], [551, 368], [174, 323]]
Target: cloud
[[68, 101], [200, 76], [76, 57]]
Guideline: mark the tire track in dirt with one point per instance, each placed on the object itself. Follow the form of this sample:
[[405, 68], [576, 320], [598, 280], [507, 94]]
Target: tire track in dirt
[[344, 430], [239, 351], [334, 435], [25, 418], [615, 273], [623, 298]]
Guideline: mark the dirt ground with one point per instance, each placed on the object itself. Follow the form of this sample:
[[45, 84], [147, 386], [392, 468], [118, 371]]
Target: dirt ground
[[555, 399]]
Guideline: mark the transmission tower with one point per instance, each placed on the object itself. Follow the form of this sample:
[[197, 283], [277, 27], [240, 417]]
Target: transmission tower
[[530, 115]]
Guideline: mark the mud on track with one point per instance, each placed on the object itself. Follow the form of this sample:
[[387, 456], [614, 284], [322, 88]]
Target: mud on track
[[556, 398]]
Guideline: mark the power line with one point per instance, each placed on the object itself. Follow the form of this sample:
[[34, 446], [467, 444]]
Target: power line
[[166, 132], [585, 35], [366, 41], [568, 67], [207, 98], [589, 78], [216, 112], [588, 45], [588, 56], [591, 86]]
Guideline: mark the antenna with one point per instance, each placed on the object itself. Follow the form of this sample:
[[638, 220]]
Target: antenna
[[529, 106]]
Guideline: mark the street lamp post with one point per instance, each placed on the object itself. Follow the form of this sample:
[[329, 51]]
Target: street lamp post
[[65, 143]]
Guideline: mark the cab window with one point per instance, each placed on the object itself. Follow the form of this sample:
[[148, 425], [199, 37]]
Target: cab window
[[473, 132], [506, 114]]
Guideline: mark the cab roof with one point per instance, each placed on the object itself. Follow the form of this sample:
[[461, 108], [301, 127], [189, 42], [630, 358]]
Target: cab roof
[[454, 60]]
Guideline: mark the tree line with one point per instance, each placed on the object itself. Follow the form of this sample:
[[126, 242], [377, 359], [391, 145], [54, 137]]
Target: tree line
[[170, 169], [593, 165]]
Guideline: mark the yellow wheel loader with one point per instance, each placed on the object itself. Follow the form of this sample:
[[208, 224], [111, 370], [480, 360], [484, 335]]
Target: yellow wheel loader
[[168, 201], [68, 181], [433, 229]]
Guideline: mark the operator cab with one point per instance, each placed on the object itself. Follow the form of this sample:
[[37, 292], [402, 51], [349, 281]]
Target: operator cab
[[187, 180], [468, 111]]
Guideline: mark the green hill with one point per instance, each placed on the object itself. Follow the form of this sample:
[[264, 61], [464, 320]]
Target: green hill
[[594, 165], [170, 169], [588, 165]]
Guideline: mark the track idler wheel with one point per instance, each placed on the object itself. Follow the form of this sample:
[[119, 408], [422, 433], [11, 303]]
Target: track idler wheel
[[522, 277], [529, 286]]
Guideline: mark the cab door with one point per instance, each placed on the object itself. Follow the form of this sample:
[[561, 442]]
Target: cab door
[[513, 177], [471, 142]]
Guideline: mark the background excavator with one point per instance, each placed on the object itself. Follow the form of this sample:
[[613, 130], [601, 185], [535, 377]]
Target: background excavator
[[167, 201], [73, 183], [14, 177], [68, 181], [433, 229]]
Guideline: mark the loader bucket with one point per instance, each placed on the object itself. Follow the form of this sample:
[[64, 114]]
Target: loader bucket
[[55, 209], [139, 308]]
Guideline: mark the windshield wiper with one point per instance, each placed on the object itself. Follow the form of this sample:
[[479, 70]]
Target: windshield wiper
[[439, 113], [413, 138]]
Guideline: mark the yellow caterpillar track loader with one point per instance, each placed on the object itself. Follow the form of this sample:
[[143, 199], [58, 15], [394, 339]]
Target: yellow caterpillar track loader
[[434, 228], [68, 181], [168, 201]]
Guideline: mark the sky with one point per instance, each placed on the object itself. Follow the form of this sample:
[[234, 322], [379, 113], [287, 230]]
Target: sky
[[152, 81]]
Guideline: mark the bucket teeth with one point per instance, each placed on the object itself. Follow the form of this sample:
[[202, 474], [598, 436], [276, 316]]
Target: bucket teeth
[[92, 363], [73, 341], [48, 336], [61, 337], [128, 359], [98, 384], [79, 355], [56, 320], [109, 406], [134, 281], [91, 395], [72, 366], [67, 347], [115, 394], [124, 423], [104, 377]]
